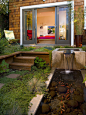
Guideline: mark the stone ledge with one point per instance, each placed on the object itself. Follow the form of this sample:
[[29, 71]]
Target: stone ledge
[[36, 100], [23, 52], [6, 56]]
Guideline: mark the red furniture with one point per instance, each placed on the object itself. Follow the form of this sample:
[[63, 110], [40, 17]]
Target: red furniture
[[46, 37], [29, 34]]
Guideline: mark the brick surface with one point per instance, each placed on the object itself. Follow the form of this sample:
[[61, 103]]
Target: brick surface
[[14, 15]]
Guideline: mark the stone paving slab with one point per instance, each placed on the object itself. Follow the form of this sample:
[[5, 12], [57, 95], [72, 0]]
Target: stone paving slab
[[1, 85], [36, 100], [13, 76]]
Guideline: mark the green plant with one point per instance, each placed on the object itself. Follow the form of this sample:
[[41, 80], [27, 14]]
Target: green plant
[[36, 86], [50, 55], [49, 48], [3, 43], [13, 40], [68, 47], [34, 68], [84, 48], [47, 70], [4, 67], [31, 48], [84, 79], [79, 21], [16, 94], [40, 63], [15, 98], [42, 49], [21, 46]]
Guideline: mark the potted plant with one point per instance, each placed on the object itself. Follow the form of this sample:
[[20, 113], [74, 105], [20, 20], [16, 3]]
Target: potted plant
[[79, 25]]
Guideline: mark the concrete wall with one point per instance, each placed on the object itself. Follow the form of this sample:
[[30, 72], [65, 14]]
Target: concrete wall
[[76, 61]]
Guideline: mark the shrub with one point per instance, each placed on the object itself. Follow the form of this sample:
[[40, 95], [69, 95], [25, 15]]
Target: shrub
[[4, 67], [49, 48], [84, 48], [13, 40], [36, 86], [40, 63], [3, 43], [68, 47]]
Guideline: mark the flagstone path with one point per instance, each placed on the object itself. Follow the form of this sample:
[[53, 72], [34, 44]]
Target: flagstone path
[[1, 85], [10, 76], [13, 76]]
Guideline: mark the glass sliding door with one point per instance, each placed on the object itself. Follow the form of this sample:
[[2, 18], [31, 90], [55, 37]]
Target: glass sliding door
[[29, 27], [63, 25]]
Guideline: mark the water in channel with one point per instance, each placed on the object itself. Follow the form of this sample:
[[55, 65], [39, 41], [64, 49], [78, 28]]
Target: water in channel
[[66, 95]]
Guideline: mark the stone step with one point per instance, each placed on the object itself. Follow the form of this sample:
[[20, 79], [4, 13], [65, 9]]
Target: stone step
[[24, 59], [20, 66]]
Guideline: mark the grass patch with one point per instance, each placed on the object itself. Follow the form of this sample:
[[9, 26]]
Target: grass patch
[[84, 48], [16, 94], [11, 49]]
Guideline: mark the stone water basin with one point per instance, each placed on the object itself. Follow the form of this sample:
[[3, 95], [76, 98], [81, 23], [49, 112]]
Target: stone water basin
[[61, 60], [66, 95]]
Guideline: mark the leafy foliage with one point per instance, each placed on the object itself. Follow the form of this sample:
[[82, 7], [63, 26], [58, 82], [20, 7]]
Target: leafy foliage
[[84, 48], [42, 49], [14, 48], [49, 48], [16, 94], [4, 67], [14, 98], [36, 86], [11, 41], [40, 63], [84, 79], [79, 21], [3, 44]]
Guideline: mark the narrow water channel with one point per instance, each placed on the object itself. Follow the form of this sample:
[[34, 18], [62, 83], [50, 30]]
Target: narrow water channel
[[66, 95]]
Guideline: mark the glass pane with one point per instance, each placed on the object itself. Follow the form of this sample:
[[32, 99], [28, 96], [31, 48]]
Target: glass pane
[[28, 25], [46, 25], [63, 23]]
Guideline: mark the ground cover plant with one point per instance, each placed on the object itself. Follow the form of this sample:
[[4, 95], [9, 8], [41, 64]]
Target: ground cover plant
[[84, 48], [7, 49], [17, 93]]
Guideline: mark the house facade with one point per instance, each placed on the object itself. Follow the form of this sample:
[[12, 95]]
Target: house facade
[[44, 21]]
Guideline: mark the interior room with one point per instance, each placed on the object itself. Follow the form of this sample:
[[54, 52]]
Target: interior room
[[46, 25]]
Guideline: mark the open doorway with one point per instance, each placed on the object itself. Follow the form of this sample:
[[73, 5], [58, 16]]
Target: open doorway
[[46, 25]]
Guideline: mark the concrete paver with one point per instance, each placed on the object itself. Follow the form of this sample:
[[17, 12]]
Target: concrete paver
[[1, 85], [13, 76]]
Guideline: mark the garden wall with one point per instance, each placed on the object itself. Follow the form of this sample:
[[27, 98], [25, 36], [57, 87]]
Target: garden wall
[[14, 15], [9, 58]]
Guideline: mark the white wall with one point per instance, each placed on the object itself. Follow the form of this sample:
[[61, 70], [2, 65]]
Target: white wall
[[45, 21]]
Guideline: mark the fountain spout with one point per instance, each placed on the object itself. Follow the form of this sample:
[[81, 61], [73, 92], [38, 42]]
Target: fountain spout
[[68, 60]]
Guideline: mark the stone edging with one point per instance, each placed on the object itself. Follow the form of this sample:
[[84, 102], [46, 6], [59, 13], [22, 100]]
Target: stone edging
[[36, 100]]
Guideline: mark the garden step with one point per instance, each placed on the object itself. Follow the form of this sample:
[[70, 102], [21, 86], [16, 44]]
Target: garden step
[[20, 66], [24, 59]]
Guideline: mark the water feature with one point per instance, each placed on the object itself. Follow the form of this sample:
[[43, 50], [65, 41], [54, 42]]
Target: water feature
[[66, 95], [62, 60], [68, 60]]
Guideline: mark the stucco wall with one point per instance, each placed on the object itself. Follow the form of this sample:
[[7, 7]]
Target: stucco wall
[[14, 15]]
